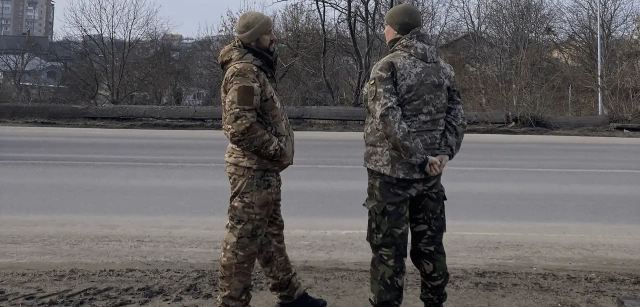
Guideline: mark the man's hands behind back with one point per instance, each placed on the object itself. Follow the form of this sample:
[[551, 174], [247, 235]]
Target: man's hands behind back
[[436, 165], [433, 166], [444, 159]]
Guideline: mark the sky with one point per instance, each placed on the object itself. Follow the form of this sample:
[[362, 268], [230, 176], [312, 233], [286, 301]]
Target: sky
[[187, 16]]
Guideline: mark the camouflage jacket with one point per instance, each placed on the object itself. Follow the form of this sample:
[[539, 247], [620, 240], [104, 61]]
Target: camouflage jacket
[[413, 109], [253, 119]]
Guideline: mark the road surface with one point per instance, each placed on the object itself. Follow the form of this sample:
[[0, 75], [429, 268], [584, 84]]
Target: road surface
[[136, 216], [181, 173]]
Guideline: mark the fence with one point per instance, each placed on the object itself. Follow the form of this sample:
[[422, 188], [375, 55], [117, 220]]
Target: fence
[[44, 111]]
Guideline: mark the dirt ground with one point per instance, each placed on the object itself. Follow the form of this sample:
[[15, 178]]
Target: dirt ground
[[164, 284], [83, 261]]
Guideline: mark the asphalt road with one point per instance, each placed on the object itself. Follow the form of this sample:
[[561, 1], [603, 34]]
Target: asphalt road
[[540, 179]]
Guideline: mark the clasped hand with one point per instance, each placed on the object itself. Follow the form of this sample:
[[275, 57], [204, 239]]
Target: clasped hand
[[436, 165]]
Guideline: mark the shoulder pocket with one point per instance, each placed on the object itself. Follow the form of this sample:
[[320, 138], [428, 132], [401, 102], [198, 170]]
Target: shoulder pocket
[[246, 95]]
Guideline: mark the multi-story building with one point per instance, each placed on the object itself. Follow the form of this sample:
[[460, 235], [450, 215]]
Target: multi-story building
[[22, 17]]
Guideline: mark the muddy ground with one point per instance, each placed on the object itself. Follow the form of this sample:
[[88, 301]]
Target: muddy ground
[[85, 261], [179, 284]]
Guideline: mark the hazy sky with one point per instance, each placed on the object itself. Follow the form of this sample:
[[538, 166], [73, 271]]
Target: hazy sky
[[186, 15]]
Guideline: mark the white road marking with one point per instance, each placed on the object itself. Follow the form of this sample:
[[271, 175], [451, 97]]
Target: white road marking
[[493, 234], [12, 131], [497, 169]]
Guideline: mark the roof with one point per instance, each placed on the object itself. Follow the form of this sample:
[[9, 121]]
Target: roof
[[8, 62]]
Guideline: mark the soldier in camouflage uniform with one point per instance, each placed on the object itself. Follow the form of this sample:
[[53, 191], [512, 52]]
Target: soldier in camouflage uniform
[[414, 125], [260, 147]]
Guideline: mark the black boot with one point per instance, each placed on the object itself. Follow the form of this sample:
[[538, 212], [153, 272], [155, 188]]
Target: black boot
[[305, 300]]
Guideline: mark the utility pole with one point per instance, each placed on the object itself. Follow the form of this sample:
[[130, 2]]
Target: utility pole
[[600, 106]]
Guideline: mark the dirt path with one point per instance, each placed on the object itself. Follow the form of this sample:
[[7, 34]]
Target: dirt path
[[80, 261]]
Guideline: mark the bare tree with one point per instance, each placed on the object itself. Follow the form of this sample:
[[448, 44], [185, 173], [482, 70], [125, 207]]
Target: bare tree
[[16, 63], [437, 17], [22, 68], [115, 39], [528, 57], [580, 46], [321, 8], [16, 66], [521, 32], [361, 23], [471, 15]]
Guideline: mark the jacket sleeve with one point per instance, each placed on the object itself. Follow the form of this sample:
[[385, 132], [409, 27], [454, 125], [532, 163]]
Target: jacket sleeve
[[383, 101], [455, 123], [241, 125]]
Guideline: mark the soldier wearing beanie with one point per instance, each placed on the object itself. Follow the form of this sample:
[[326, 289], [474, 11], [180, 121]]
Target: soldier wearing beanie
[[261, 145], [403, 18], [256, 28], [414, 126]]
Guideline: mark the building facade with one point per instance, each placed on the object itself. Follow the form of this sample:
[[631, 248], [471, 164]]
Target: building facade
[[22, 17]]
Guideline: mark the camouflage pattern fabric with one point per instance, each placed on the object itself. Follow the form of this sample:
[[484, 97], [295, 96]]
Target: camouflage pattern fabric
[[413, 108], [260, 146], [254, 232], [253, 118], [397, 206]]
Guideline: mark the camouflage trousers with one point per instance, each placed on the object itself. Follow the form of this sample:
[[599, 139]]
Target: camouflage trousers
[[254, 231], [397, 207]]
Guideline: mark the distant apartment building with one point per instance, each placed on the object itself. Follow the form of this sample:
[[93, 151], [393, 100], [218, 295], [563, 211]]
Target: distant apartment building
[[19, 17]]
